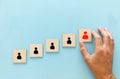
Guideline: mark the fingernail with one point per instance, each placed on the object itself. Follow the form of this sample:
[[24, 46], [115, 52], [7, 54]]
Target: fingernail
[[99, 27], [92, 30], [106, 28]]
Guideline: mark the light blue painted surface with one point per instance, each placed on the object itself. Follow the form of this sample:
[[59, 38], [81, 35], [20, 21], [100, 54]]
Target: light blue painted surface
[[23, 22]]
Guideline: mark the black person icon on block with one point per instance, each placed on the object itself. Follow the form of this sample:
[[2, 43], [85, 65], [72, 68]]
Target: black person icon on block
[[52, 46], [69, 41], [35, 51], [19, 56]]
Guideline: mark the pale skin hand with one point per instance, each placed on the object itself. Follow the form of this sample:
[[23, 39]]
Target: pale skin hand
[[100, 62]]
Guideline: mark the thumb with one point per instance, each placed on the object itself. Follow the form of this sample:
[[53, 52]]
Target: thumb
[[83, 50]]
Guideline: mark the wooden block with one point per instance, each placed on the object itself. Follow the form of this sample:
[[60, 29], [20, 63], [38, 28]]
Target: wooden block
[[52, 45], [36, 50], [69, 40], [85, 35], [19, 56]]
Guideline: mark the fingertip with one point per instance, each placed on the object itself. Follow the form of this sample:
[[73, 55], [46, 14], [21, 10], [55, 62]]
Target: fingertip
[[81, 43], [93, 32], [105, 28], [99, 28]]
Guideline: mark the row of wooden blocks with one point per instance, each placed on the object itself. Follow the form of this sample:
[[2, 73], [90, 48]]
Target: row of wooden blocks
[[52, 45]]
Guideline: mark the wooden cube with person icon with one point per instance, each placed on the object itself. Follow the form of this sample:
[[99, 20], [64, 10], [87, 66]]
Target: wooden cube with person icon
[[68, 40], [85, 35], [19, 56], [52, 45], [36, 50]]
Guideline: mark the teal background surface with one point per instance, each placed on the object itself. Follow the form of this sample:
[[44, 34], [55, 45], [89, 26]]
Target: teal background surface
[[23, 22]]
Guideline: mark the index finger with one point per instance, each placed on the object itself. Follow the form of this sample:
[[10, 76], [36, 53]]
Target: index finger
[[98, 39]]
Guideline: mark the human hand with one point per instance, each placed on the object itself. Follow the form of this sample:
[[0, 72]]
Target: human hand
[[100, 62]]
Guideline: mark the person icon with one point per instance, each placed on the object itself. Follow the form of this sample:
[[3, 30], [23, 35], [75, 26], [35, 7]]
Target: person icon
[[35, 51], [19, 56], [52, 46], [85, 36], [69, 41]]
